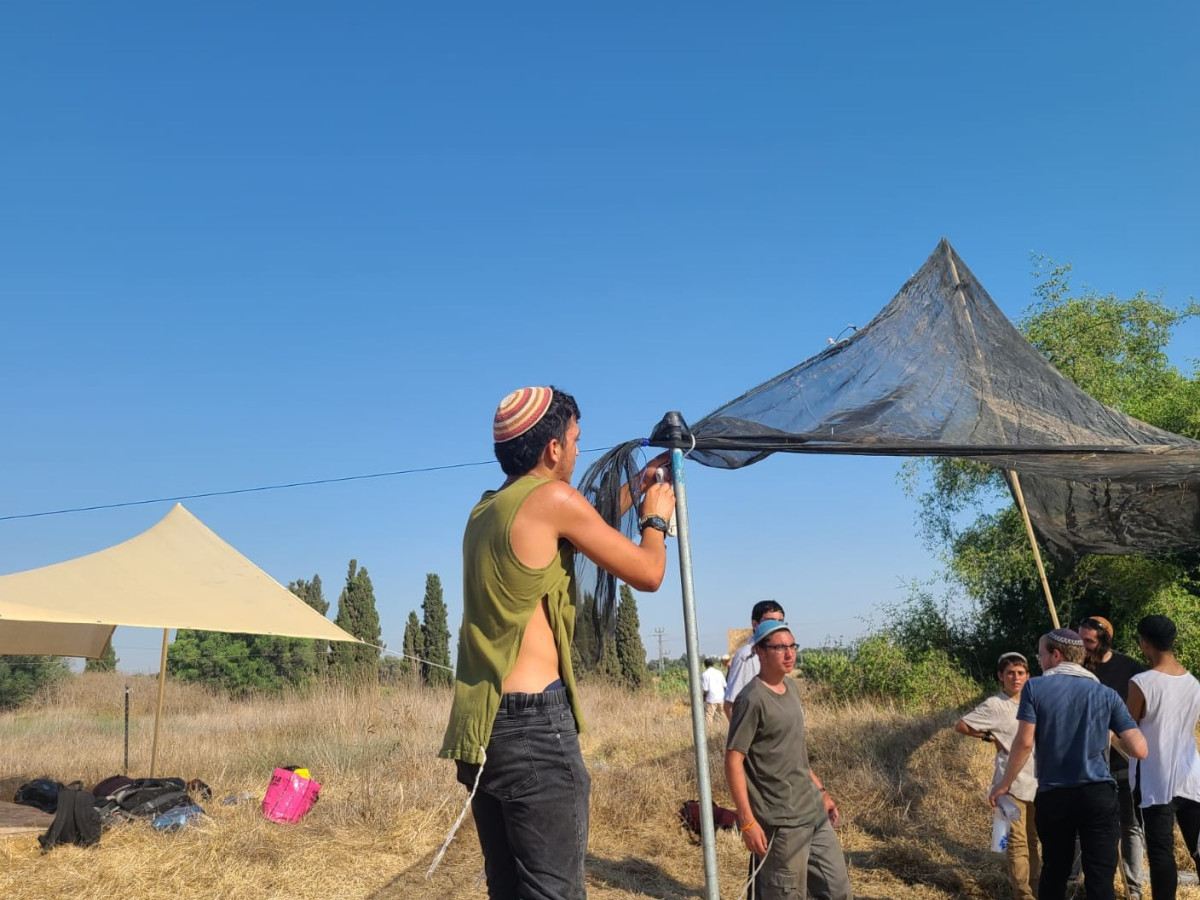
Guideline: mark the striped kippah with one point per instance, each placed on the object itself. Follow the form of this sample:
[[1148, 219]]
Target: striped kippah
[[520, 411]]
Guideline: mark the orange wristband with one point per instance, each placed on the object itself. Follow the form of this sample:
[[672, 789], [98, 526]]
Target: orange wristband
[[748, 826]]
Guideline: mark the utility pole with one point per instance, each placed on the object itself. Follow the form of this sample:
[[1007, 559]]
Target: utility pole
[[660, 633]]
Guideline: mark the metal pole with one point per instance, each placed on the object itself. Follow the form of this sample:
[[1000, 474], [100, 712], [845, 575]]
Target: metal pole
[[125, 771], [708, 838]]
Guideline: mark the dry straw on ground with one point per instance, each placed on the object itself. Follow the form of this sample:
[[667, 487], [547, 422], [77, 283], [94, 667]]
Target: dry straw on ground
[[911, 792]]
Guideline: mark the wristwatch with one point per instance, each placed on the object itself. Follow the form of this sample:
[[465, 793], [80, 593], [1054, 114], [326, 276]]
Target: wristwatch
[[656, 522]]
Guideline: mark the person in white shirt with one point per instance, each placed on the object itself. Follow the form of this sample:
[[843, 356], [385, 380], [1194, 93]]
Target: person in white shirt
[[1165, 702], [744, 665], [712, 682], [995, 721]]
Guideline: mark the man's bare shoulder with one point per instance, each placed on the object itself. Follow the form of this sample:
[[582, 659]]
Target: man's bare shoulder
[[553, 494]]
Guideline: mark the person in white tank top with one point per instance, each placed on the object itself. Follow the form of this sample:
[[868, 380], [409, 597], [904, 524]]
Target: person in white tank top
[[1165, 702]]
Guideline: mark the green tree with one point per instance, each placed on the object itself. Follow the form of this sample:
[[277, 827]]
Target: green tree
[[107, 661], [358, 616], [23, 676], [414, 647], [245, 663], [1115, 350], [609, 667], [586, 651], [435, 635], [390, 671], [298, 661], [631, 652], [221, 660], [311, 592]]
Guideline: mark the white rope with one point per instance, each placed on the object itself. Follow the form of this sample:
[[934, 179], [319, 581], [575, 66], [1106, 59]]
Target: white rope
[[754, 871], [462, 815], [407, 656]]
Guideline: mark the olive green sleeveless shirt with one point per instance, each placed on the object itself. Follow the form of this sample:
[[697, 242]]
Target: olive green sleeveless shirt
[[500, 593]]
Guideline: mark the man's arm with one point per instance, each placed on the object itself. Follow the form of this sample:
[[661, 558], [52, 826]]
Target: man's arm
[[568, 513], [1133, 742], [1017, 757], [1122, 723], [753, 835], [962, 727], [732, 680], [1136, 702], [831, 809]]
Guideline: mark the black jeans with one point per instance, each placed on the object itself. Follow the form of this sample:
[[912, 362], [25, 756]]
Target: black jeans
[[1160, 842], [1089, 812], [531, 809]]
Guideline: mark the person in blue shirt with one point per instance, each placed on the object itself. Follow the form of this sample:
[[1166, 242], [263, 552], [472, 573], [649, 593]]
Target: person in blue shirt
[[1069, 716]]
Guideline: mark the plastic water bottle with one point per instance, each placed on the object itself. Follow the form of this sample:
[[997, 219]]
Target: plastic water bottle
[[1005, 813], [174, 819]]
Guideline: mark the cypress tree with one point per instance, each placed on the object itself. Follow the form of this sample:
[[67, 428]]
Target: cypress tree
[[609, 666], [586, 649], [414, 646], [357, 615], [631, 652], [435, 633], [311, 592], [298, 660]]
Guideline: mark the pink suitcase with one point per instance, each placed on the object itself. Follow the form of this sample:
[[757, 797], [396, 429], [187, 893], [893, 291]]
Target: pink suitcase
[[289, 796]]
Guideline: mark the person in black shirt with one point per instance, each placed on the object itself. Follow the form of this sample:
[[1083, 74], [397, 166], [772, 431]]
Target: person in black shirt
[[1115, 670]]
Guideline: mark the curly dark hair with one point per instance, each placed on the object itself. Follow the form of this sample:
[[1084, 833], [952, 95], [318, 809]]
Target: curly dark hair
[[1103, 640]]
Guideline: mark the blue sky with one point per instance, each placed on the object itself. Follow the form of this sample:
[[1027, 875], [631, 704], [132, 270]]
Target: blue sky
[[252, 244]]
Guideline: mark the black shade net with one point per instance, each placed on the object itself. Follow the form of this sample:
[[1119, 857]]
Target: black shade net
[[941, 372]]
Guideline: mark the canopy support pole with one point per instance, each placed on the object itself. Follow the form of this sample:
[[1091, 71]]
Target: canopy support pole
[[1037, 554], [162, 690], [699, 726]]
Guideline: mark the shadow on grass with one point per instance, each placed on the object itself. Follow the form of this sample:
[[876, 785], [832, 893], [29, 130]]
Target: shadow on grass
[[920, 839], [637, 876], [919, 836], [458, 876]]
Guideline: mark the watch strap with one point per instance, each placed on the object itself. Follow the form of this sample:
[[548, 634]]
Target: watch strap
[[656, 522]]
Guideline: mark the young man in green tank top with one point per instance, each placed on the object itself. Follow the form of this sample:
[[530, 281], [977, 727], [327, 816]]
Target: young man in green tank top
[[516, 710]]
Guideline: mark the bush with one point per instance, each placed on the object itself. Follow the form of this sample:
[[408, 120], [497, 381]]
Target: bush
[[22, 676], [671, 682], [878, 668]]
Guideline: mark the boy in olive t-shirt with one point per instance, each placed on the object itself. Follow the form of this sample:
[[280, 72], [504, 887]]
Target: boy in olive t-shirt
[[785, 814]]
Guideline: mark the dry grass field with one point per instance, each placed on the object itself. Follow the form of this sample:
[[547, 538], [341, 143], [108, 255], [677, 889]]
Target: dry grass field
[[911, 793]]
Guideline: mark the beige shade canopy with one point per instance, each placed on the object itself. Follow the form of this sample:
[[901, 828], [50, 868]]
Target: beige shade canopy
[[177, 574]]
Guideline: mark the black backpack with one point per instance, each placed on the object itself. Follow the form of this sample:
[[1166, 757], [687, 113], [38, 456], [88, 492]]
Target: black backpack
[[145, 798], [41, 793], [75, 822], [111, 785]]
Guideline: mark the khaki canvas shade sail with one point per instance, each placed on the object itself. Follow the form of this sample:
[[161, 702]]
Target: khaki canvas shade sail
[[177, 574]]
